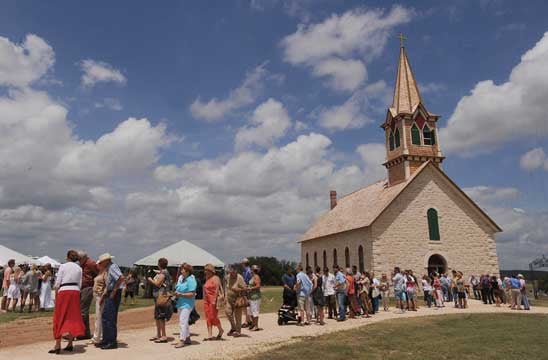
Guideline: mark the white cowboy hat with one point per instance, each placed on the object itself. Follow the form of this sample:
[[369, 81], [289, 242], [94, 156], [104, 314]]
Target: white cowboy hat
[[104, 257]]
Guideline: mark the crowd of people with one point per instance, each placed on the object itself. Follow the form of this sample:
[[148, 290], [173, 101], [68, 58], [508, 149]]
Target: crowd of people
[[313, 294], [26, 287]]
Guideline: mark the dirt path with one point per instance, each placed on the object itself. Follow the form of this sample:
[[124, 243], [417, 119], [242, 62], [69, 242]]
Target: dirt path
[[134, 343], [19, 332]]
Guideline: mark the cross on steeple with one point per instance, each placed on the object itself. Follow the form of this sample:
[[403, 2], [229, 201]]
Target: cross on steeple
[[402, 39]]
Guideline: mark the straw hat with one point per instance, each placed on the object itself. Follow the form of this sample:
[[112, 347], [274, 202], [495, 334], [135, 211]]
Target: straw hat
[[104, 257], [210, 268], [520, 276]]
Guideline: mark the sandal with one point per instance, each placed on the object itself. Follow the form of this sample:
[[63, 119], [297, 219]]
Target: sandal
[[154, 338], [181, 344], [209, 339], [160, 341]]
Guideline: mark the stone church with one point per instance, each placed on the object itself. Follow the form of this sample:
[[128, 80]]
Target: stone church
[[417, 218]]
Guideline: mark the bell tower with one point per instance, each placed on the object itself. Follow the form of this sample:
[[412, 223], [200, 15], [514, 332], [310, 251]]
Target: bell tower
[[411, 132]]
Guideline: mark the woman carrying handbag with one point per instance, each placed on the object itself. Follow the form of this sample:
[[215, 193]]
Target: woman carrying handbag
[[212, 292]]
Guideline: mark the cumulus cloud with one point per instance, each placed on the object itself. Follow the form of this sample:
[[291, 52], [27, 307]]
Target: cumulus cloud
[[534, 159], [351, 114], [255, 200], [100, 72], [268, 123], [245, 94], [22, 64], [524, 232], [130, 149], [346, 75], [336, 46], [492, 114]]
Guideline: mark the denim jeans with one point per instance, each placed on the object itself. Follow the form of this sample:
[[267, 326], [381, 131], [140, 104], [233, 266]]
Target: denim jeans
[[341, 299], [525, 301], [446, 293], [376, 304], [110, 318]]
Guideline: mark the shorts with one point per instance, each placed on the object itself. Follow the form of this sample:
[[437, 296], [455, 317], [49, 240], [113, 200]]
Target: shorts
[[399, 295], [254, 307], [461, 295], [302, 303]]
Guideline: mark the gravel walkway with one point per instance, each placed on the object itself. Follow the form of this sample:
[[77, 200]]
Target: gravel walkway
[[135, 344]]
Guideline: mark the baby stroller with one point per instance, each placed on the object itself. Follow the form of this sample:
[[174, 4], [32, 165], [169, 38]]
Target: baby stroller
[[287, 311], [286, 314]]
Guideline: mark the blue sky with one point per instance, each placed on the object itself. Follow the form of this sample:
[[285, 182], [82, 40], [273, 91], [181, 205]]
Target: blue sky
[[220, 87]]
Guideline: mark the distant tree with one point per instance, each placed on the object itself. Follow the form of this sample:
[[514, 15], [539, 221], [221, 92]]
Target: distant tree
[[272, 269]]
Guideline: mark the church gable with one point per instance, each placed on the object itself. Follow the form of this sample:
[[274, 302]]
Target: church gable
[[464, 236]]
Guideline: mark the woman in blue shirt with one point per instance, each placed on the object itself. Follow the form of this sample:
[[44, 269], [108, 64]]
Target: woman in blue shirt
[[185, 292]]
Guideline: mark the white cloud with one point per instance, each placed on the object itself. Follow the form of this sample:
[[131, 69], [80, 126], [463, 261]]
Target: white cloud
[[109, 103], [22, 64], [524, 232], [335, 46], [127, 151], [245, 94], [492, 114], [351, 114], [489, 194], [346, 75], [100, 72], [534, 159], [269, 122]]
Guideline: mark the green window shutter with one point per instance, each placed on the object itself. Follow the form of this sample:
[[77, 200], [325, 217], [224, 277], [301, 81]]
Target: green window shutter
[[397, 138], [433, 226], [415, 135], [427, 135], [391, 141]]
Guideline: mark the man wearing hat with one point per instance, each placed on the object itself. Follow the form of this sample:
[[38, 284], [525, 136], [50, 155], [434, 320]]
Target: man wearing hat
[[247, 275], [111, 299]]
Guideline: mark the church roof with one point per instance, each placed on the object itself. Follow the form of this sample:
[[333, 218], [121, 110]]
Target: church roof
[[406, 91], [361, 208]]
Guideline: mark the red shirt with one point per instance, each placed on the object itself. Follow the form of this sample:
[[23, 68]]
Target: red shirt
[[350, 280], [89, 272]]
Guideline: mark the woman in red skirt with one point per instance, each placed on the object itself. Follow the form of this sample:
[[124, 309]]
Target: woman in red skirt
[[213, 293], [67, 320]]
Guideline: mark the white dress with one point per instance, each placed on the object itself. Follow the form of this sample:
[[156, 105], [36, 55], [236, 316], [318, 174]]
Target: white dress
[[14, 291], [46, 300]]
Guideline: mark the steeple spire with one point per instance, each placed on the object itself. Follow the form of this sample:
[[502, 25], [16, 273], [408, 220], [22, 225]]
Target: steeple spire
[[406, 91]]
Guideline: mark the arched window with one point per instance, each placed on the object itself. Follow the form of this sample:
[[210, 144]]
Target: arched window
[[315, 260], [427, 135], [415, 135], [324, 259], [391, 141], [433, 226], [360, 259], [397, 138], [335, 261], [347, 257], [307, 260]]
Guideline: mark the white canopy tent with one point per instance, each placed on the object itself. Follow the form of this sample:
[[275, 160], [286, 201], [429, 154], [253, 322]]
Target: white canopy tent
[[47, 260], [6, 254], [180, 252]]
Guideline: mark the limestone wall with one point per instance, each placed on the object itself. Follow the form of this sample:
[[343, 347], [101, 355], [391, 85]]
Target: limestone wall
[[467, 241], [351, 239]]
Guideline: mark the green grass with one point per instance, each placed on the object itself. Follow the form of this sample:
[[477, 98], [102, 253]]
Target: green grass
[[462, 337], [271, 299]]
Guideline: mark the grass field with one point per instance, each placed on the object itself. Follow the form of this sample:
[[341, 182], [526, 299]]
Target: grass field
[[11, 316], [463, 337]]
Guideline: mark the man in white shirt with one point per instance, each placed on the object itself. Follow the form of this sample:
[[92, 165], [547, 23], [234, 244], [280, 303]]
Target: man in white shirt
[[329, 293], [375, 284]]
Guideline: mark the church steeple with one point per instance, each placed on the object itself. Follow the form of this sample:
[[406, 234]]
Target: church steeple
[[410, 129], [406, 92]]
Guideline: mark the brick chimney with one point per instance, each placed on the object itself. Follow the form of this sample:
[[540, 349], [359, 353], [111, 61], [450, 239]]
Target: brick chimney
[[333, 198]]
